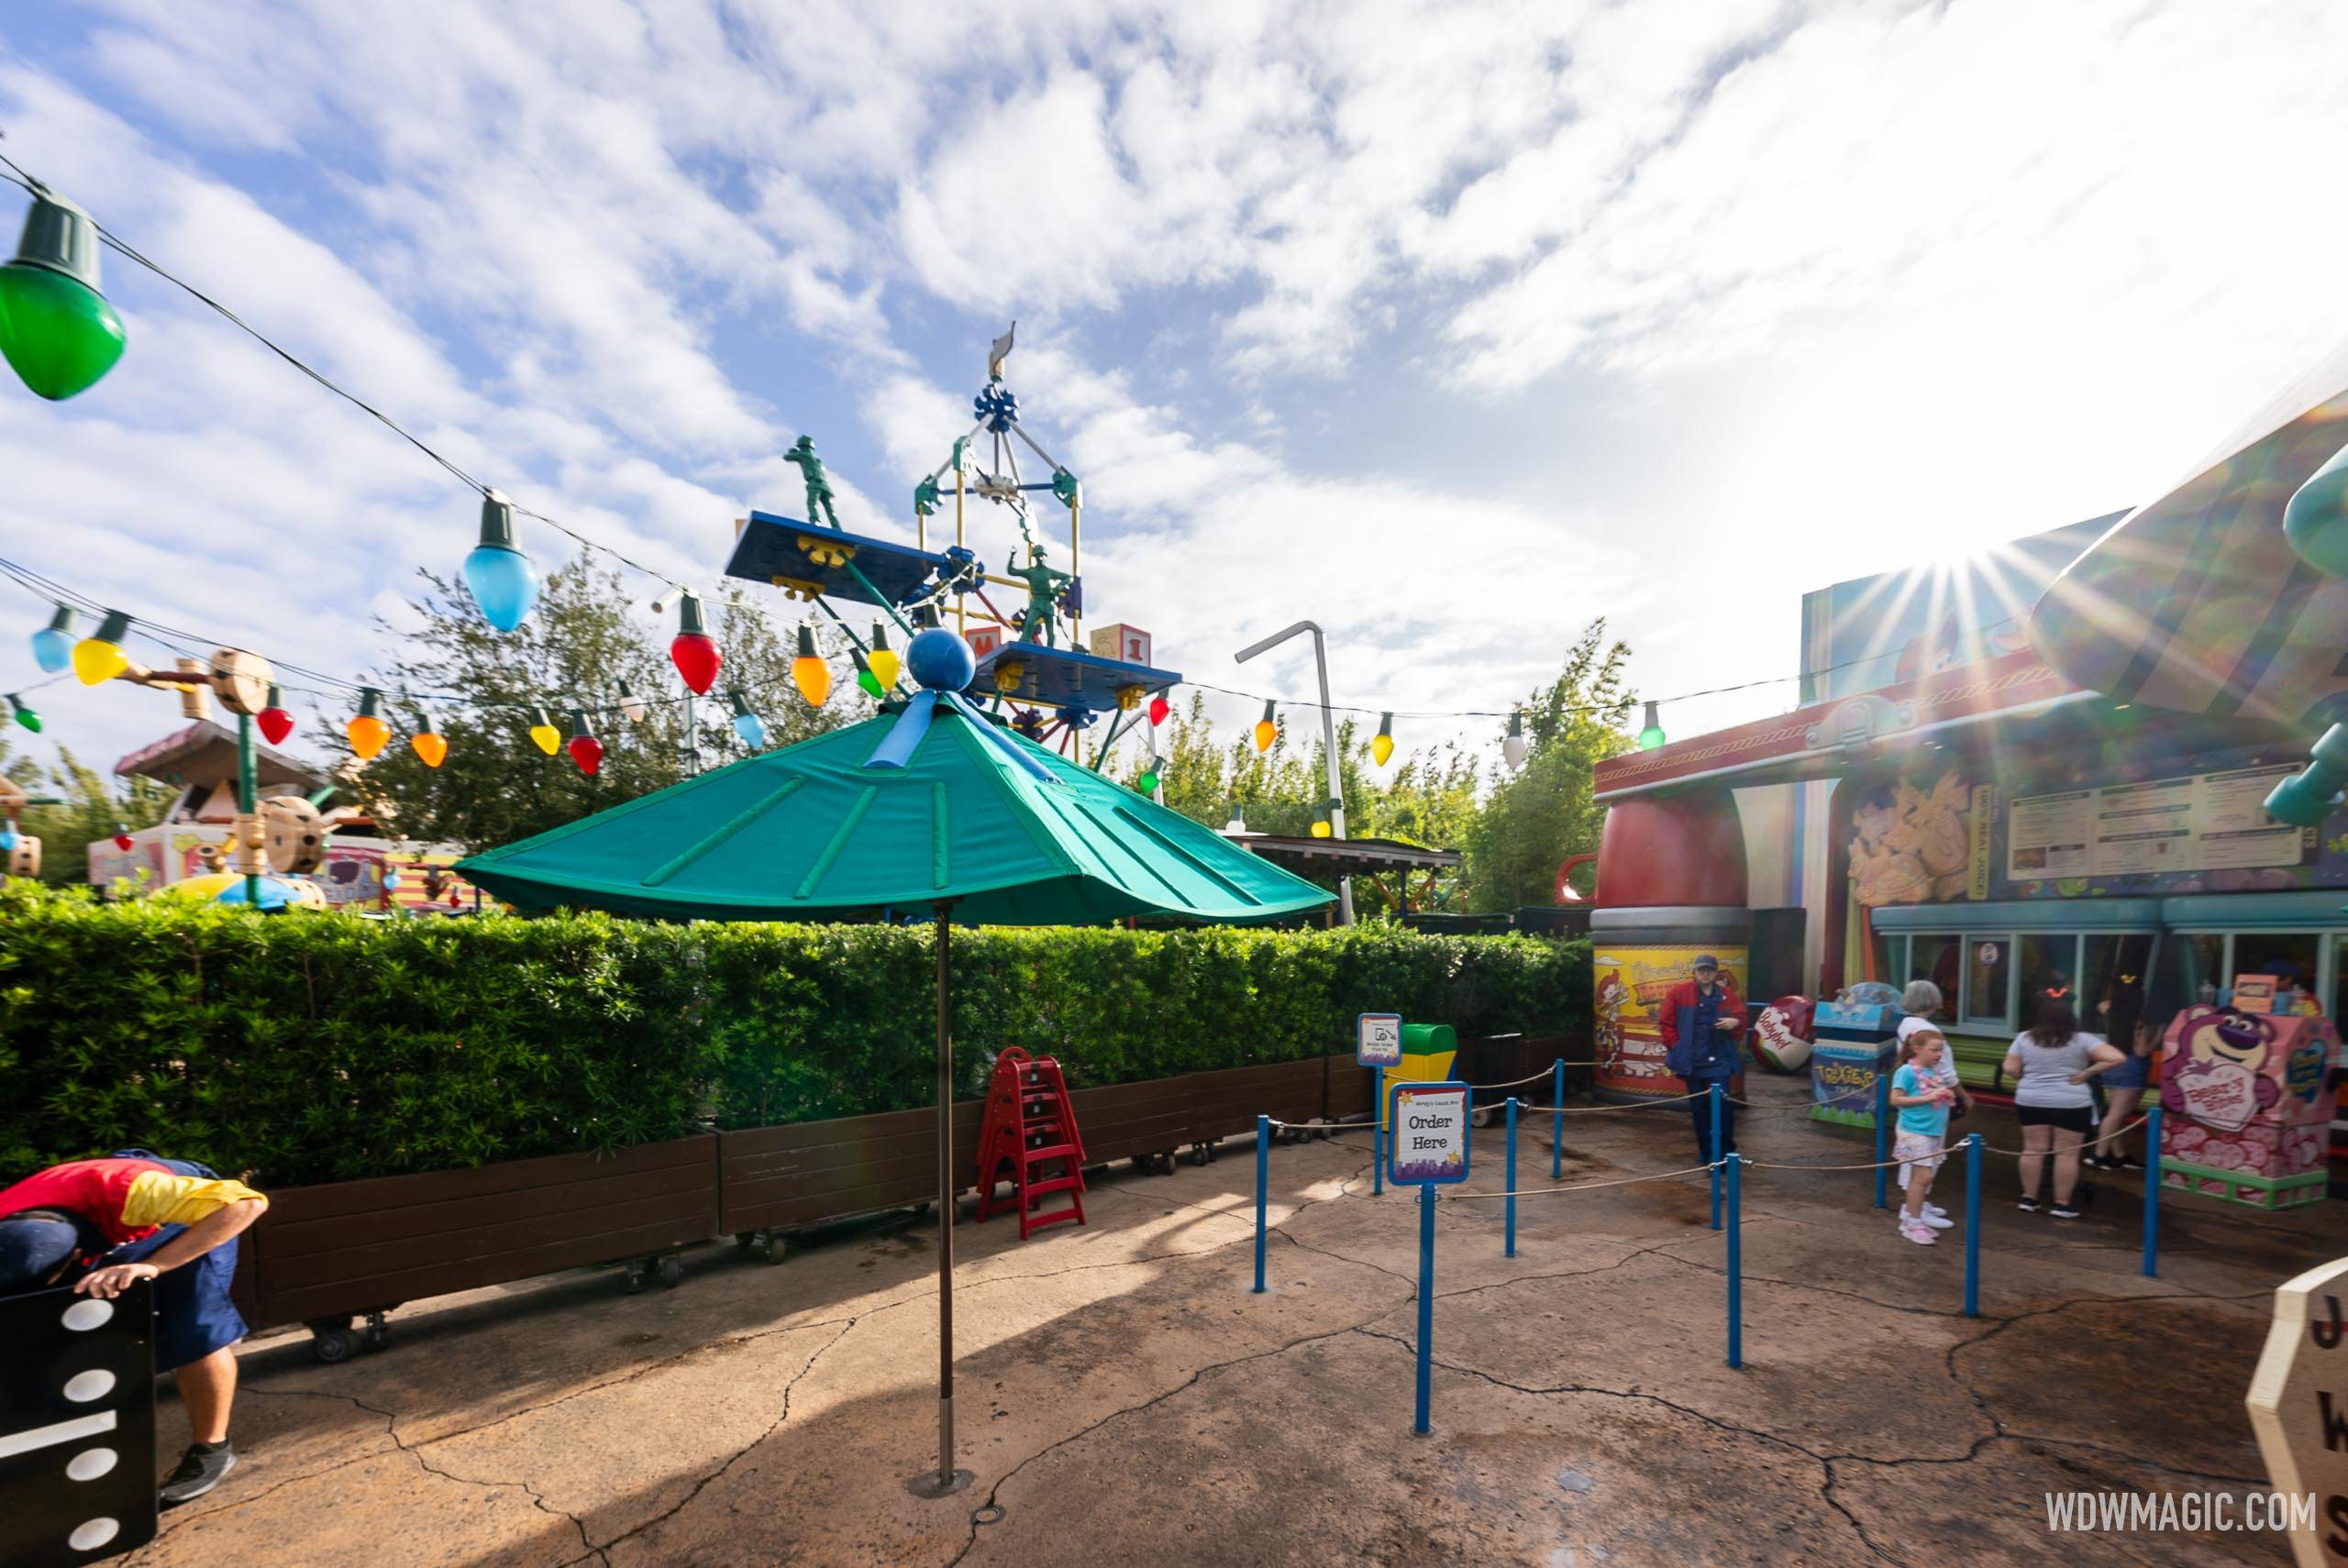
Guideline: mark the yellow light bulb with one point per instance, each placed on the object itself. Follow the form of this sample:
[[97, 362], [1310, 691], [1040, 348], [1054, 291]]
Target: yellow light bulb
[[884, 665], [1266, 732], [1320, 827], [431, 749], [96, 662], [368, 734], [545, 737], [1382, 749]]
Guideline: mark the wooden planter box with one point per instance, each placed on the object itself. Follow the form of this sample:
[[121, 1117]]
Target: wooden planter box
[[809, 1172], [325, 1252]]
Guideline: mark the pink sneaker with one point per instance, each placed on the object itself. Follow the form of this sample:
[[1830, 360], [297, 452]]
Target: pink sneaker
[[1922, 1234]]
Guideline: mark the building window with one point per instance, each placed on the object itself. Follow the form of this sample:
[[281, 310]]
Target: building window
[[2289, 955], [2050, 967], [1989, 976], [1934, 958]]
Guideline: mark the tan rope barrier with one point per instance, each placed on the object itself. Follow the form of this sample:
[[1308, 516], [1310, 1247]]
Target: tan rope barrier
[[1580, 1187]]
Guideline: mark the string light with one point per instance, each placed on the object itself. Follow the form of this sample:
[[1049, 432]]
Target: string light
[[1651, 733], [866, 681], [808, 670], [1158, 710], [431, 747], [56, 328], [1234, 822], [631, 705], [1381, 744], [25, 717], [503, 582], [275, 723], [122, 835], [543, 735], [882, 660], [53, 643], [1512, 748], [99, 657], [366, 731], [1268, 729], [586, 750], [747, 724], [1321, 822], [694, 655]]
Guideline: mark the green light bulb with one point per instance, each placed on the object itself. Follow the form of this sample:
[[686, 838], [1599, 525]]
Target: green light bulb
[[56, 329]]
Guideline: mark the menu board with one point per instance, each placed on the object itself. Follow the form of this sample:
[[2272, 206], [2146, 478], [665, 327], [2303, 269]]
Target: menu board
[[2209, 822]]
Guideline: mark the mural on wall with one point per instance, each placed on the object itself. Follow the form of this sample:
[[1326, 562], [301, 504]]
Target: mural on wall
[[1914, 845]]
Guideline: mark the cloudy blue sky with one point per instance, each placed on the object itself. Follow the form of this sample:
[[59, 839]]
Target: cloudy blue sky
[[1451, 326]]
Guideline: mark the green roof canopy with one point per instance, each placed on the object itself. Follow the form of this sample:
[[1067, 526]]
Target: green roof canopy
[[898, 813]]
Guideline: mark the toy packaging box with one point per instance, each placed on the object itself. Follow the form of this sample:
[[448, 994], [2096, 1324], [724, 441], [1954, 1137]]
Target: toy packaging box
[[2246, 1099]]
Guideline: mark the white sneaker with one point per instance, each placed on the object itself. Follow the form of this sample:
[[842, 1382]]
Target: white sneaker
[[1934, 1210], [1920, 1234], [1938, 1221]]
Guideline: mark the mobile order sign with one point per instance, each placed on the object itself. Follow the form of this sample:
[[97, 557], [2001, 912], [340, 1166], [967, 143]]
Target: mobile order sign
[[1431, 1126], [1378, 1039]]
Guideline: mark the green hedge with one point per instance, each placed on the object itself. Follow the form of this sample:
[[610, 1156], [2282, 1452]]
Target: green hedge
[[315, 1048]]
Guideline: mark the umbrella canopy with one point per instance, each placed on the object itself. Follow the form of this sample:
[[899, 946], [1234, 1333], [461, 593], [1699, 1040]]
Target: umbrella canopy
[[936, 803], [229, 887], [931, 808]]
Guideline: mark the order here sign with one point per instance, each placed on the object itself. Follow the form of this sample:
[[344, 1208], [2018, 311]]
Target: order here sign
[[1429, 1147]]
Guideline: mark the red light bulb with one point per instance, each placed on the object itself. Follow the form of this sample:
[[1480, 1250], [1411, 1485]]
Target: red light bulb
[[275, 723], [1159, 708], [696, 656], [588, 753]]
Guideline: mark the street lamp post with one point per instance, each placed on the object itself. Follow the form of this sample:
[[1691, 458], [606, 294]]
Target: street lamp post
[[1328, 739]]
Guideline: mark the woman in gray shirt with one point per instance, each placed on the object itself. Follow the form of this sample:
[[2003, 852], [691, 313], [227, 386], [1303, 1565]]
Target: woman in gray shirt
[[2051, 1062]]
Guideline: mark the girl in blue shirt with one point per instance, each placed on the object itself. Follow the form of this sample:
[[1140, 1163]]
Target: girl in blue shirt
[[1922, 1099]]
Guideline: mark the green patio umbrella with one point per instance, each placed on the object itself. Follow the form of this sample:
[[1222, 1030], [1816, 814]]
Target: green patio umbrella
[[935, 809]]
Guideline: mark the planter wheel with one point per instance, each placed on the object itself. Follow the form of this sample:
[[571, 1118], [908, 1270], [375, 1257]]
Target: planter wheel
[[1198, 1155], [671, 1269], [332, 1341], [377, 1334], [1481, 1116], [637, 1268], [763, 1245]]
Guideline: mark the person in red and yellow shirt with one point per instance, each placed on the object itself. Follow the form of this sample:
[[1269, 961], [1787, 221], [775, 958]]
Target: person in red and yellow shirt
[[103, 1225]]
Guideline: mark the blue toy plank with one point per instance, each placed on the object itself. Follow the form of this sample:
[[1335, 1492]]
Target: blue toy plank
[[1064, 678], [788, 554]]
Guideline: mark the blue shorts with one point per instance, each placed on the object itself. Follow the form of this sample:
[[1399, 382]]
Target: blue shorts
[[194, 1315], [2134, 1073]]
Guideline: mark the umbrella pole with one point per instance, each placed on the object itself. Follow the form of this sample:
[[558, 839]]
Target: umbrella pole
[[944, 1480]]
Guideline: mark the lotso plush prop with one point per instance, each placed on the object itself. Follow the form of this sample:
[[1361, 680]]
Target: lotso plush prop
[[2212, 1070]]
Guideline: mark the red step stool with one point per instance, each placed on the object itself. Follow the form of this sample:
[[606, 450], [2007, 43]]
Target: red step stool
[[1029, 1126]]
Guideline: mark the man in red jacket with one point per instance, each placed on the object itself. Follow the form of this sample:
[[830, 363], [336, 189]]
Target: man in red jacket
[[105, 1225], [1702, 1023]]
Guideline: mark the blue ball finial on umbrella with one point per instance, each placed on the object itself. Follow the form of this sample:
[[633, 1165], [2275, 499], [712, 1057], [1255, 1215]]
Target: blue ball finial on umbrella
[[941, 661]]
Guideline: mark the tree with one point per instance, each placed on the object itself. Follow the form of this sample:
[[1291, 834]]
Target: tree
[[90, 811], [495, 785], [1534, 820]]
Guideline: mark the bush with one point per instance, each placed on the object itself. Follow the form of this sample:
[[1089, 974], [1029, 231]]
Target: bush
[[315, 1048]]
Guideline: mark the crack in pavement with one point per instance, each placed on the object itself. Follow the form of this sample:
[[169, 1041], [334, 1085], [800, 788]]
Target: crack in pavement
[[774, 1426], [994, 1491]]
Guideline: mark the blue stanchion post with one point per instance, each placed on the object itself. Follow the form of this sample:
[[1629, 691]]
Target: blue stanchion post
[[1378, 1138], [1508, 1251], [1717, 1088], [1557, 1128], [1263, 1191], [1426, 1309], [1882, 1138], [1972, 1225], [1735, 1164], [2153, 1190]]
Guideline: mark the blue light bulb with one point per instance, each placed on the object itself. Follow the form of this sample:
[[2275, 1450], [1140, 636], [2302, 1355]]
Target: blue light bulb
[[7, 839], [53, 643], [752, 729], [503, 582]]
